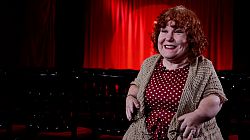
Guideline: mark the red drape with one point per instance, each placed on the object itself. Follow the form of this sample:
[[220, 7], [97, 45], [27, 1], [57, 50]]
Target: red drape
[[118, 32]]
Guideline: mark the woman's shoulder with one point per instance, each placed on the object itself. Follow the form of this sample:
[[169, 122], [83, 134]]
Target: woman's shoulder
[[204, 64], [203, 61], [150, 61], [152, 58]]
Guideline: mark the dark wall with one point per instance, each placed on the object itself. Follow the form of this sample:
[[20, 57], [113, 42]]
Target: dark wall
[[69, 32], [241, 55], [69, 28], [11, 28]]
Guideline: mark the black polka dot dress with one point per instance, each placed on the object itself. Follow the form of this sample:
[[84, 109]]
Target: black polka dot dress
[[162, 98]]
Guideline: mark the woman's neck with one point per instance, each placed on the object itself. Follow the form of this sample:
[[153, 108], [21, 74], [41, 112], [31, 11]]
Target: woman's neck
[[171, 65]]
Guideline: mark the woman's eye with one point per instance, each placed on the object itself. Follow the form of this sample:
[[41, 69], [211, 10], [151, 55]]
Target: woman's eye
[[179, 31], [164, 31]]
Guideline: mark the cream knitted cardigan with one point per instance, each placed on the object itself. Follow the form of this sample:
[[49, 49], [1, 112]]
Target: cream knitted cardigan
[[202, 81]]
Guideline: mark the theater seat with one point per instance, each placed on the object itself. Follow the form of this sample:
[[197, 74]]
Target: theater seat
[[51, 107], [234, 117], [82, 134], [109, 92], [109, 137]]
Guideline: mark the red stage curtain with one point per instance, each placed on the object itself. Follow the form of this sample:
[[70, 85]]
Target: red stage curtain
[[117, 34]]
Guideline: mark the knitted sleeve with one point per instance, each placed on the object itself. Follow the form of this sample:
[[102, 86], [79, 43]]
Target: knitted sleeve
[[137, 80], [214, 86]]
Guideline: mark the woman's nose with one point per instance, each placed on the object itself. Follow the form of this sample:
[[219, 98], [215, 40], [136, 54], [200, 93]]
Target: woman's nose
[[169, 37]]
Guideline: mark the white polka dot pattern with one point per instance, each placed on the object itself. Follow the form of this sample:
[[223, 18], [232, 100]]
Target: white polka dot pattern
[[162, 98]]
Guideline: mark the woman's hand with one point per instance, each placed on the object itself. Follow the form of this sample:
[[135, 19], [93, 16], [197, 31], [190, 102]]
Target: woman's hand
[[190, 125], [131, 104]]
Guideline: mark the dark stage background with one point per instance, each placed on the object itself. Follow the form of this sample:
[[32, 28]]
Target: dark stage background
[[111, 33]]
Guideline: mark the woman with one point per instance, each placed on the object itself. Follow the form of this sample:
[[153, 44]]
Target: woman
[[176, 94]]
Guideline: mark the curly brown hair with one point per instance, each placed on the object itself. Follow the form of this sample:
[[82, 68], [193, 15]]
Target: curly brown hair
[[186, 19]]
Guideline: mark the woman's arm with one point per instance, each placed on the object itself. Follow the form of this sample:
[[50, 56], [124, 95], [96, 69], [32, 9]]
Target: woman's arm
[[131, 101], [207, 109]]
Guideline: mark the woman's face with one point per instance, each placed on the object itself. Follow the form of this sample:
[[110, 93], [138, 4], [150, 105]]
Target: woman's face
[[172, 43]]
